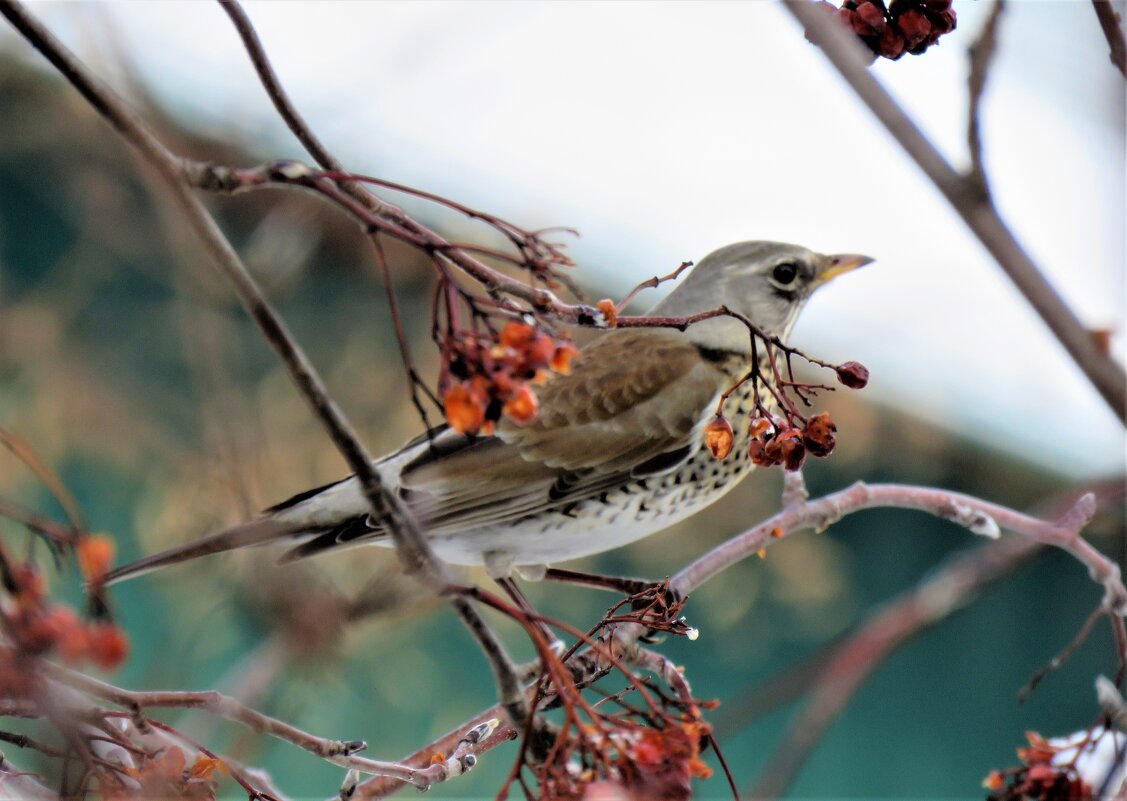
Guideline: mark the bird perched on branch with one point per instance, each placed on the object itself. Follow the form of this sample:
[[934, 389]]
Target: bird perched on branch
[[615, 453]]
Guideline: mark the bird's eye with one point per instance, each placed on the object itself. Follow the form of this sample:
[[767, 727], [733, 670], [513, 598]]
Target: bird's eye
[[784, 273]]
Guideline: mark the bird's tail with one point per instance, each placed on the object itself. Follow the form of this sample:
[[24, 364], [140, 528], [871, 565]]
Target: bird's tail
[[255, 532]]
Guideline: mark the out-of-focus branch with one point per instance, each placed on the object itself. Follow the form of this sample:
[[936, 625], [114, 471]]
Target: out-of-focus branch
[[1112, 26], [411, 546], [19, 784], [955, 586], [301, 370], [980, 215]]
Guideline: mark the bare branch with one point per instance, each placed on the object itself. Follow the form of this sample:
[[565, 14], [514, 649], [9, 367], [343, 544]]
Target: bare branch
[[1112, 27], [411, 546], [284, 106], [338, 752], [981, 56], [847, 55], [980, 517]]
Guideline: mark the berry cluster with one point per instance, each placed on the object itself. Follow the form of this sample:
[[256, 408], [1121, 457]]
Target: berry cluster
[[786, 443], [775, 441], [903, 26], [485, 378], [36, 628], [1040, 778]]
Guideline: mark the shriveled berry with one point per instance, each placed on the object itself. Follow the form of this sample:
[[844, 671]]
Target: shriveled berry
[[761, 427], [818, 437], [794, 452], [853, 375], [757, 452], [718, 437], [609, 310], [516, 335], [538, 352], [464, 412], [561, 359], [868, 19], [522, 406], [891, 44], [915, 26]]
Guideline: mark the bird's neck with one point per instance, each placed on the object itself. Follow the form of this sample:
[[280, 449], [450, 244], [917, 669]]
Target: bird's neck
[[727, 335]]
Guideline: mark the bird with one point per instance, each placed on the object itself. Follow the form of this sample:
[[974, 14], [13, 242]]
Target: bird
[[614, 454]]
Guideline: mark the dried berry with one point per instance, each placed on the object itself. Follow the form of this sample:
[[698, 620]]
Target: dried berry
[[538, 353], [522, 406], [609, 311], [718, 437], [761, 427], [853, 375], [915, 26], [516, 335], [561, 359], [868, 19], [793, 451], [464, 412], [757, 452], [818, 436]]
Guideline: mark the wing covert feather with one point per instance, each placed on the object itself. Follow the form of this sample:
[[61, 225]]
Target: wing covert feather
[[631, 396]]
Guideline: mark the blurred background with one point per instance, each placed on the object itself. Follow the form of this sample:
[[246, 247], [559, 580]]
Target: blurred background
[[660, 131]]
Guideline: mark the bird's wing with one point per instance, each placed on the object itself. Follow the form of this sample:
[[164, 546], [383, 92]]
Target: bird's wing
[[630, 406], [632, 397]]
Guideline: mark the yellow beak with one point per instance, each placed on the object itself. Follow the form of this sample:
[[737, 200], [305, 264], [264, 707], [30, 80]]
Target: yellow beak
[[839, 264]]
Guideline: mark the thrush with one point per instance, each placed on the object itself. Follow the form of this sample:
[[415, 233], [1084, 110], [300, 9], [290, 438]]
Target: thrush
[[614, 454]]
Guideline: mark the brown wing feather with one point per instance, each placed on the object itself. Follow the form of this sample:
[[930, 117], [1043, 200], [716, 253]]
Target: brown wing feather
[[631, 396]]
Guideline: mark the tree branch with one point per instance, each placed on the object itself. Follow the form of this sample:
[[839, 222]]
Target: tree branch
[[412, 548], [980, 517], [847, 56], [1112, 27]]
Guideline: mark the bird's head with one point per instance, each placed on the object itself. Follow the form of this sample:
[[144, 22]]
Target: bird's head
[[767, 282]]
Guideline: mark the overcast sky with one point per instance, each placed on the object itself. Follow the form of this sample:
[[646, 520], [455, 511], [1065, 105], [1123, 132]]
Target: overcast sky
[[664, 130]]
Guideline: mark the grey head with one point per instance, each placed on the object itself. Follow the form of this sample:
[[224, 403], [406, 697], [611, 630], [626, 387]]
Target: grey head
[[767, 282]]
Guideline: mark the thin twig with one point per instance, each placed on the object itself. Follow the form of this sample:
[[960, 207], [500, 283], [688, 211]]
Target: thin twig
[[284, 106], [213, 703], [981, 56], [412, 548], [1062, 657], [652, 283], [848, 57], [953, 587]]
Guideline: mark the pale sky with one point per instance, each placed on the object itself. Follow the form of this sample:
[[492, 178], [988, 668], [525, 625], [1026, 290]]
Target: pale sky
[[664, 130]]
